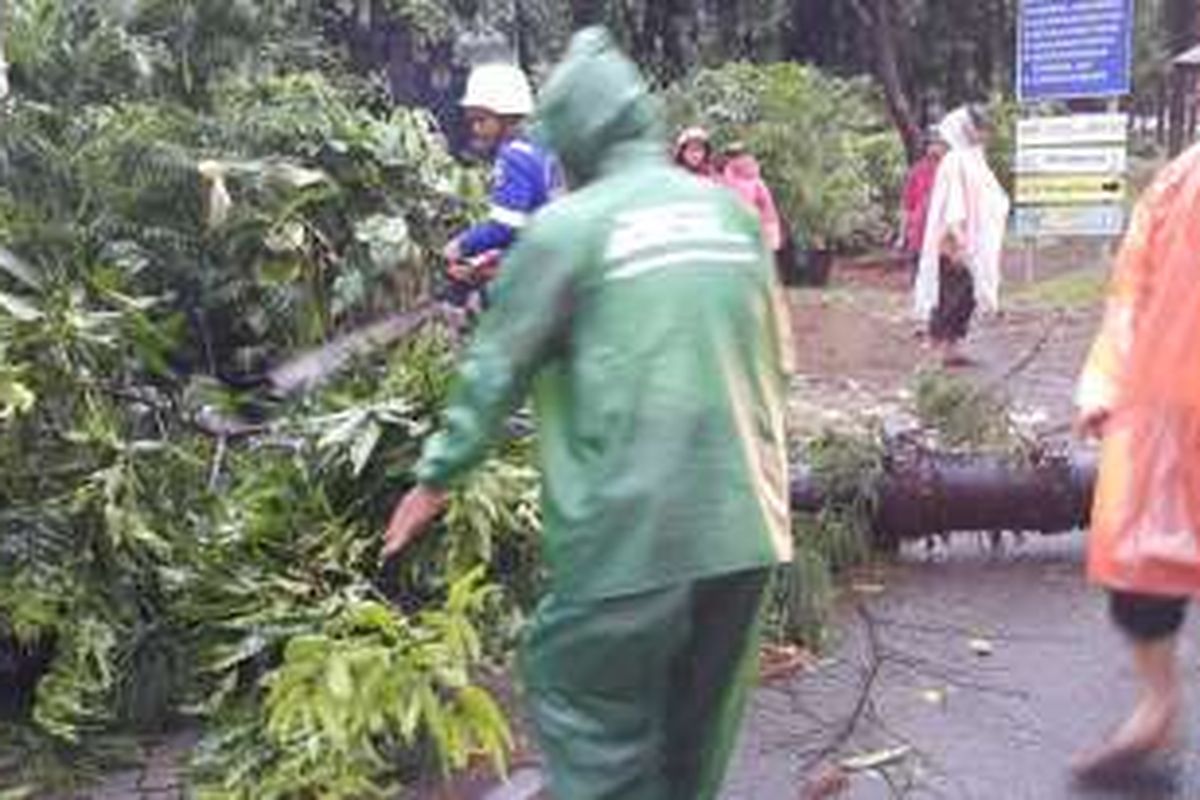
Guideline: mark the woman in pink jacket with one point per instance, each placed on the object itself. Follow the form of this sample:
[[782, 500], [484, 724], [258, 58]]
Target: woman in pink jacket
[[743, 175]]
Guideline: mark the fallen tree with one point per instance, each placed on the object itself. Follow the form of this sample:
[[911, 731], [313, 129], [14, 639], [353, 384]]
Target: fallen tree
[[922, 493]]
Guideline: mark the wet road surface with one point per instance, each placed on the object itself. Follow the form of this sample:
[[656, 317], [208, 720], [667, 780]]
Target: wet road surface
[[911, 674]]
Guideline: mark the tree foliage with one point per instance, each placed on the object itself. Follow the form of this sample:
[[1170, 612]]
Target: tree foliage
[[187, 191]]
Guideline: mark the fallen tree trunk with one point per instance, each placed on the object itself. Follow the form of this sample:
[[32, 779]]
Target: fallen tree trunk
[[925, 493]]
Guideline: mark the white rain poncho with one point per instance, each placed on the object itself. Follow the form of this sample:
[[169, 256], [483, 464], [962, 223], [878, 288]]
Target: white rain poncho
[[968, 198]]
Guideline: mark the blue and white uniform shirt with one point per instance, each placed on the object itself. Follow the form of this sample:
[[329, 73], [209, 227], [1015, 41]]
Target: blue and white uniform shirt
[[525, 177]]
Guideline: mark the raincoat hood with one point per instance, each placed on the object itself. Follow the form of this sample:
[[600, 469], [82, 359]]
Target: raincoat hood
[[967, 199], [595, 105], [958, 130]]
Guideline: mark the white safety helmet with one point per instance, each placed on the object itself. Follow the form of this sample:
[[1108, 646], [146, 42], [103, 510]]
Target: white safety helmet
[[500, 88]]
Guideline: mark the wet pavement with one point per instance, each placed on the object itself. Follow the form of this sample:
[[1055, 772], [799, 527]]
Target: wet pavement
[[981, 673], [976, 672]]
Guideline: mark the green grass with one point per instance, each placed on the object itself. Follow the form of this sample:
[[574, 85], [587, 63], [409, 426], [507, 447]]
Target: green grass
[[1075, 290]]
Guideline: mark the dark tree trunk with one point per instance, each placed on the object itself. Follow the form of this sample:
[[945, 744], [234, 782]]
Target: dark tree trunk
[[820, 33], [1181, 21], [587, 12], [3, 63], [1177, 112], [879, 19], [1182, 24], [922, 493], [1160, 134]]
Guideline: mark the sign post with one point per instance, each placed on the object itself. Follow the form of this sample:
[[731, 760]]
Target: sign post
[[1071, 170]]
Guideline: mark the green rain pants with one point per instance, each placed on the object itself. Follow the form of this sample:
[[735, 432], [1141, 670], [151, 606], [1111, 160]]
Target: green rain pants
[[641, 697]]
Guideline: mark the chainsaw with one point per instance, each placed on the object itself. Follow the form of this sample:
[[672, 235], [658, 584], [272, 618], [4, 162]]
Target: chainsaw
[[464, 281]]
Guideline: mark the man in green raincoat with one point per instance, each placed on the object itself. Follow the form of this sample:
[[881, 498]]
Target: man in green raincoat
[[642, 313]]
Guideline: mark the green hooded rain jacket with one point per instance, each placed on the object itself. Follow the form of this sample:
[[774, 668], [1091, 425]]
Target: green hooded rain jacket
[[643, 313]]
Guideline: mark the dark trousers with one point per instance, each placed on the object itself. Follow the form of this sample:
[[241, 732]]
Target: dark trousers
[[1147, 618], [951, 319], [641, 697]]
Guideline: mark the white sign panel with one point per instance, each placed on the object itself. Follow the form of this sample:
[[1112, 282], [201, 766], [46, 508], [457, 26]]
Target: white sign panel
[[1074, 129], [1097, 220], [1072, 161]]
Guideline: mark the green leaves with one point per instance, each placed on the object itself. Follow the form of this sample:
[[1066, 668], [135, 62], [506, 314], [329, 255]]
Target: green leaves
[[187, 190], [19, 308], [847, 468], [16, 268], [387, 239], [964, 415], [315, 685], [71, 698], [496, 508], [342, 702]]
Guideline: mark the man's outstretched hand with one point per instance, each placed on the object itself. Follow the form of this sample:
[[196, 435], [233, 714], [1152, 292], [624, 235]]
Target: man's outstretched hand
[[412, 517]]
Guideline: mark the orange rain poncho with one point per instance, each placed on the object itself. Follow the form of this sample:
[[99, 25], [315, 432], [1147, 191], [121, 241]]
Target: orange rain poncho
[[1144, 369]]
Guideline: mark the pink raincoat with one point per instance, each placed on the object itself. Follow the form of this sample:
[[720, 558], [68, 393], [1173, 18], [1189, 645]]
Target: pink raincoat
[[1142, 369], [918, 187], [743, 175]]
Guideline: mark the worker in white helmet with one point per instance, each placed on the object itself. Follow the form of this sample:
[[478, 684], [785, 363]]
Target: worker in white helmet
[[524, 178]]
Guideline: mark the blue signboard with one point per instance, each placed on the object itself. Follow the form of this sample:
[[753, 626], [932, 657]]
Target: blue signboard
[[1074, 48]]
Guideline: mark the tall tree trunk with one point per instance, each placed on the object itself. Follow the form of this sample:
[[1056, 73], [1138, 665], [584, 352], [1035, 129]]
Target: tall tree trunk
[[587, 12], [1182, 23], [1176, 113], [1180, 20], [1160, 111], [3, 59], [878, 17]]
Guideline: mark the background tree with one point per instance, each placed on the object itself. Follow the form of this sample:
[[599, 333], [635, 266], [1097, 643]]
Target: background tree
[[879, 17]]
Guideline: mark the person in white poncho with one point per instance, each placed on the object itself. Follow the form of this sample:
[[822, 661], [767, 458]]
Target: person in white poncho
[[964, 237]]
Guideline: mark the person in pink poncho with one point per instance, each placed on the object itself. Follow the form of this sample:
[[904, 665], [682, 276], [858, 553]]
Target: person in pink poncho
[[694, 152], [743, 175]]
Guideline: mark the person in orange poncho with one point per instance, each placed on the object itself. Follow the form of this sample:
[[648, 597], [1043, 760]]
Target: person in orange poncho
[[1140, 392]]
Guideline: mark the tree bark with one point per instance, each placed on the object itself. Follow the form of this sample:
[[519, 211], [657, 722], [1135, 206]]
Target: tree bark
[[1160, 112], [1177, 112], [3, 59], [587, 12], [878, 18], [1182, 23], [925, 492]]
